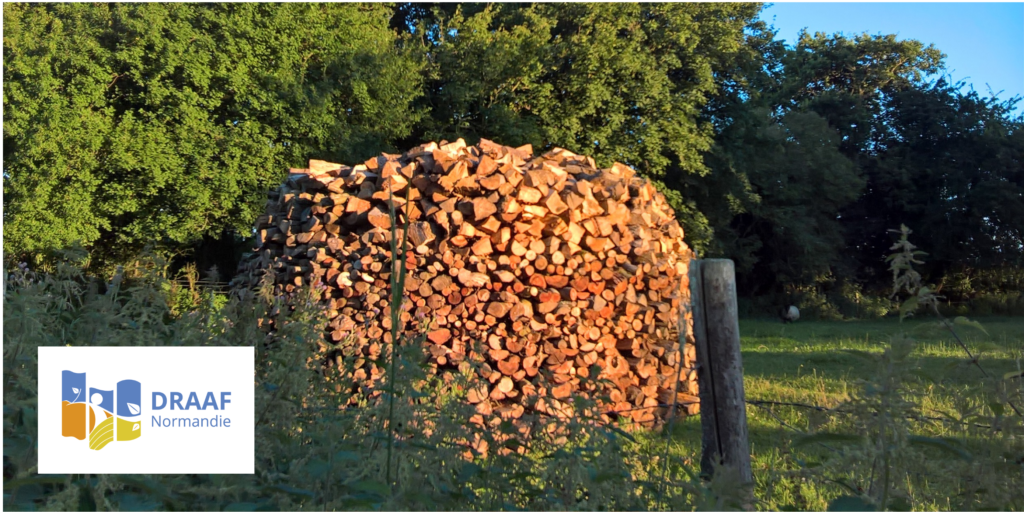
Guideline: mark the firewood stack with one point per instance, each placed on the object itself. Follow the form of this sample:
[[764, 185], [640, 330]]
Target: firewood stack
[[553, 277]]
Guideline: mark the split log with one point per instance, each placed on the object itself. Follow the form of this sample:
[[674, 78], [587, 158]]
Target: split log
[[538, 270]]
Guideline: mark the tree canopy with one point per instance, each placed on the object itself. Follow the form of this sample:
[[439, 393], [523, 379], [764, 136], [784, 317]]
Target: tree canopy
[[129, 124]]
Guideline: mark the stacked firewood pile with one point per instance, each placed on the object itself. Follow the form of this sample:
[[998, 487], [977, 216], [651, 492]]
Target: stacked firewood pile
[[548, 276]]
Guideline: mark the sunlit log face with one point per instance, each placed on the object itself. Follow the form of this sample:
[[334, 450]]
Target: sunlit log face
[[545, 271]]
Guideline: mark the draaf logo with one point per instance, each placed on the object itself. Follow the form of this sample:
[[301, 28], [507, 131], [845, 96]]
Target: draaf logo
[[92, 413]]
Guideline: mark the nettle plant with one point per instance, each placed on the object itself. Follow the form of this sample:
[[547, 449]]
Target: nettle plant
[[409, 446], [893, 449]]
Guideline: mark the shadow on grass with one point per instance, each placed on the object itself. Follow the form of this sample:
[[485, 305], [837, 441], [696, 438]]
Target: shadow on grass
[[837, 365], [1006, 331], [772, 450], [769, 439]]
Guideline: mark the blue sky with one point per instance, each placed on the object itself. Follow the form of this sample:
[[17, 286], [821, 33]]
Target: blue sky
[[983, 42]]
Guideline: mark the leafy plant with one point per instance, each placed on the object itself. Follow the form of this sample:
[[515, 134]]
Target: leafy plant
[[412, 444]]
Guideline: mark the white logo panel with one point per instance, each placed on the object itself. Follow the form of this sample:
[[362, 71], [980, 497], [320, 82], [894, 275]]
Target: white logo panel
[[146, 410]]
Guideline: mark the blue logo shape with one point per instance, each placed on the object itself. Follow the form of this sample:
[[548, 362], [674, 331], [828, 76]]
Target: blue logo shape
[[72, 387], [102, 399], [129, 398]]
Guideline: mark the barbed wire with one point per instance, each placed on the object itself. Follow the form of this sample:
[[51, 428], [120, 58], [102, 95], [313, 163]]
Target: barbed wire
[[973, 358]]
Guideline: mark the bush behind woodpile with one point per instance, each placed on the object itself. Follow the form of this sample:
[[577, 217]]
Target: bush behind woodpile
[[539, 273]]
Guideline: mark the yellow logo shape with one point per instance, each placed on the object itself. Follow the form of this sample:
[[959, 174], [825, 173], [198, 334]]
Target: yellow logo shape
[[102, 435], [128, 430]]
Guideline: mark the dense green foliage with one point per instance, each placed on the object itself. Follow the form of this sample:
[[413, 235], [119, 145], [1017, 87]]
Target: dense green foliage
[[620, 82], [312, 451], [131, 123], [950, 163], [166, 123]]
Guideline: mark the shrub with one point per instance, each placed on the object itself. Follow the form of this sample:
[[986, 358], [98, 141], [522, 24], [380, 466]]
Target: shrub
[[311, 450]]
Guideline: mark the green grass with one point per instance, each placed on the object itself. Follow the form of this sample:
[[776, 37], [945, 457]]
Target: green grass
[[807, 362]]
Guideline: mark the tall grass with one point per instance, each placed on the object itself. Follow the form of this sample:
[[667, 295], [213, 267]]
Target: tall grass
[[413, 446]]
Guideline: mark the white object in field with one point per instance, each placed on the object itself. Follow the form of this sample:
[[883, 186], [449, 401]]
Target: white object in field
[[792, 314]]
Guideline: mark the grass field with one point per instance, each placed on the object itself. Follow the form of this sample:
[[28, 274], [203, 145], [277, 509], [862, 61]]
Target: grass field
[[809, 363]]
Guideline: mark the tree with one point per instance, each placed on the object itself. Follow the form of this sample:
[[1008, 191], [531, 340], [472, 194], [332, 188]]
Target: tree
[[794, 132], [950, 164], [126, 124], [621, 82], [785, 229], [845, 79]]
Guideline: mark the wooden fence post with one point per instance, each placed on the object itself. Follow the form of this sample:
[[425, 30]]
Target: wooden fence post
[[723, 411]]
